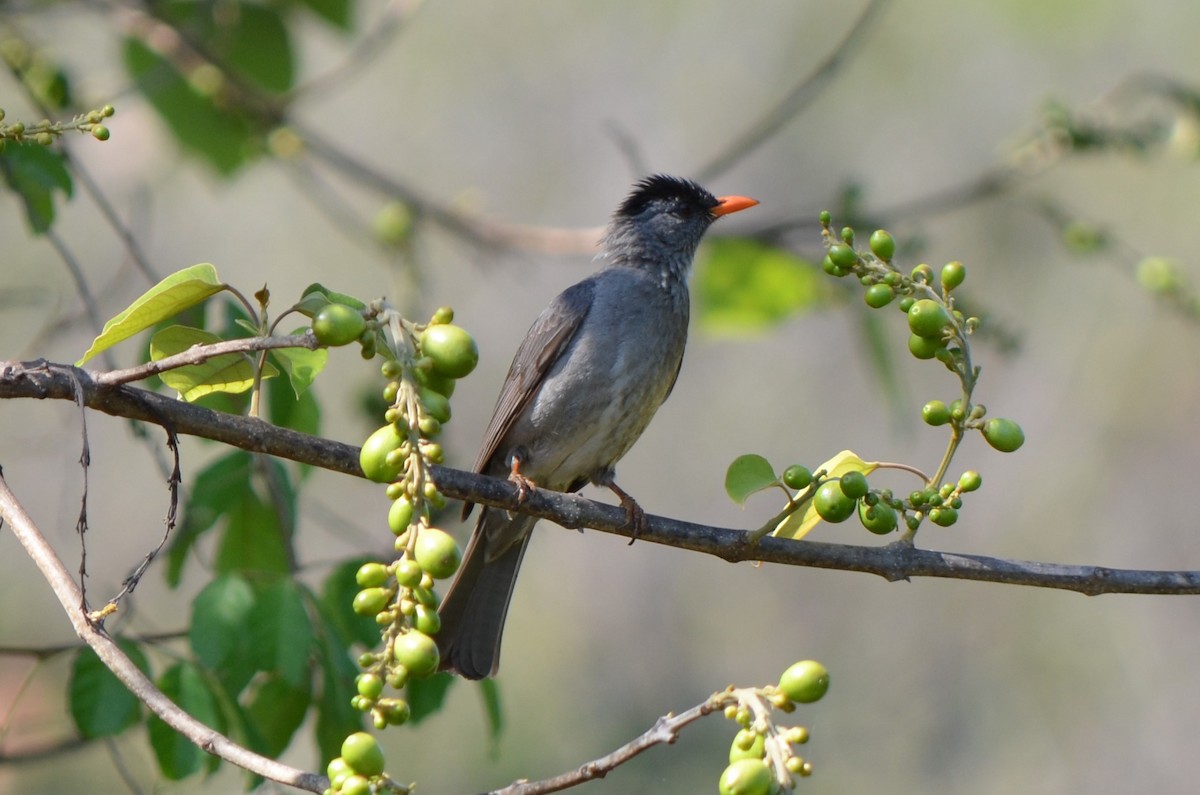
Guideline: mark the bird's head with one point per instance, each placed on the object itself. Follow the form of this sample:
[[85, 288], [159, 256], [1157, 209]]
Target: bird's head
[[662, 220]]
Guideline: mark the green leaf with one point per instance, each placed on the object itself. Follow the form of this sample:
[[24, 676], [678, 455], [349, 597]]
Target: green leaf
[[275, 711], [746, 475], [301, 365], [35, 173], [743, 286], [283, 633], [797, 524], [177, 292], [491, 706], [216, 490], [288, 409], [100, 704], [425, 695], [231, 372], [336, 719], [335, 12], [257, 45], [222, 636], [311, 299], [255, 538], [222, 138], [337, 595], [178, 757]]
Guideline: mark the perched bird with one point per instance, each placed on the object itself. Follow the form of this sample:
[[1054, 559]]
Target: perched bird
[[587, 378]]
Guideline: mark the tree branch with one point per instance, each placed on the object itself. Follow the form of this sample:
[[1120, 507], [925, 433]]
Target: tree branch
[[897, 561], [69, 596]]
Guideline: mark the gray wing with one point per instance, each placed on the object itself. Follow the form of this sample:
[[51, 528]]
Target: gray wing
[[544, 343]]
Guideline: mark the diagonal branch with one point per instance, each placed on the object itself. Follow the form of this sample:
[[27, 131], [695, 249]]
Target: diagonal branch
[[896, 561], [69, 596]]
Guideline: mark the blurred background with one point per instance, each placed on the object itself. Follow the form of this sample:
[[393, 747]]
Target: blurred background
[[543, 114]]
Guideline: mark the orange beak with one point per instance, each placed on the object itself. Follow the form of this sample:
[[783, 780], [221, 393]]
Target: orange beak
[[732, 204]]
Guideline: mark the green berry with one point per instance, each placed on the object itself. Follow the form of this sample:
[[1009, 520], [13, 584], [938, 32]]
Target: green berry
[[882, 245], [363, 754], [747, 745], [100, 132], [396, 711], [943, 516], [338, 771], [833, 270], [906, 303], [880, 519], [797, 477], [953, 274], [417, 652], [370, 601], [969, 481], [409, 573], [1158, 274], [451, 349], [854, 485], [927, 318], [436, 404], [924, 347], [436, 381], [369, 685], [437, 552], [371, 575], [427, 620], [400, 515], [338, 324], [745, 777], [393, 223], [441, 315], [805, 682], [878, 296], [1004, 435], [831, 503], [922, 274], [842, 256], [373, 458], [935, 413], [825, 218]]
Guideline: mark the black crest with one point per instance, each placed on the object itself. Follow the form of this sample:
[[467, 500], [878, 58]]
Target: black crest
[[683, 193]]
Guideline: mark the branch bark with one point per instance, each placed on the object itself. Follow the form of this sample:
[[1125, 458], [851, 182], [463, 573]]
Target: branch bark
[[71, 599], [897, 561]]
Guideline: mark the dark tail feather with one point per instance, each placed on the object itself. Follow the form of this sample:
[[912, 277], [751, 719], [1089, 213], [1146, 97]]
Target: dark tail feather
[[475, 607]]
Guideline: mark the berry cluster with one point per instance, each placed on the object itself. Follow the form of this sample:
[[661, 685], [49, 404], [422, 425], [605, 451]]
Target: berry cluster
[[762, 759], [422, 364], [45, 131]]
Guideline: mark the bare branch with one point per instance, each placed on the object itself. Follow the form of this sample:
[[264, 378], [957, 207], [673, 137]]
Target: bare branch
[[69, 596], [198, 354], [893, 562]]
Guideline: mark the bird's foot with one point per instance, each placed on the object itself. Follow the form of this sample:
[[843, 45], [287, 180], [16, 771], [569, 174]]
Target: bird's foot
[[635, 517], [524, 485]]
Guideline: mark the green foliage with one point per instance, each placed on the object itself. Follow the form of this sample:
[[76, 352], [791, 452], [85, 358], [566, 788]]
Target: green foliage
[[743, 286], [36, 174], [221, 138], [185, 684], [100, 704], [172, 295]]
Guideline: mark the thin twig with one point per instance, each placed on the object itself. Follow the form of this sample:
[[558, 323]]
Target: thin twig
[[796, 100], [67, 592], [198, 354]]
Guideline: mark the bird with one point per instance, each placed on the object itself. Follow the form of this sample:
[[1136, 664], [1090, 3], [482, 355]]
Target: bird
[[585, 382]]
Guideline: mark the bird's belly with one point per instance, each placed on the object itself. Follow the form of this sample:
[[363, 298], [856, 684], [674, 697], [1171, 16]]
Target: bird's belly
[[591, 411]]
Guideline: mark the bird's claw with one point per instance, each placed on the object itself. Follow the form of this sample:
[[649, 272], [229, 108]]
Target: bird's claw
[[524, 485], [635, 517]]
